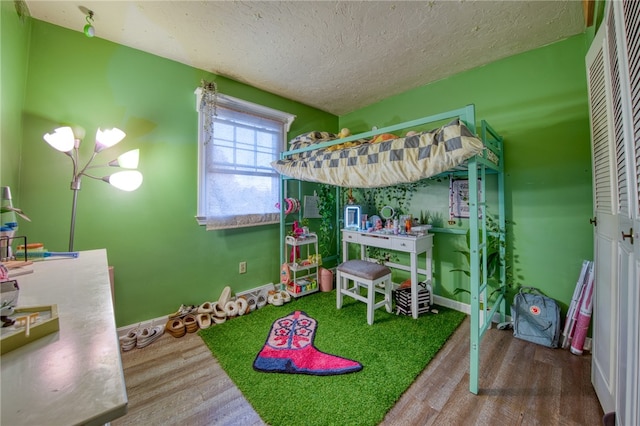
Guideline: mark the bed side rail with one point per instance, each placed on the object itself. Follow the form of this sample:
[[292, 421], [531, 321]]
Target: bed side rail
[[466, 114]]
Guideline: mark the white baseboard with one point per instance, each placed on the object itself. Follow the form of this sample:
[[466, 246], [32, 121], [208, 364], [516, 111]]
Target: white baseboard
[[452, 304], [462, 307], [264, 289]]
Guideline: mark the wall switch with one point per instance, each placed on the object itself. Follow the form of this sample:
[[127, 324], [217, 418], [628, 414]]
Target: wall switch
[[242, 267]]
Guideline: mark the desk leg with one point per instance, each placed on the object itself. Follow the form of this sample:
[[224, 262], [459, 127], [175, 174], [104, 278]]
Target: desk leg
[[414, 285], [429, 278], [345, 250]]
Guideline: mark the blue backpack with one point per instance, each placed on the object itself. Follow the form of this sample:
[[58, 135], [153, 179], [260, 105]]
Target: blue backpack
[[536, 317]]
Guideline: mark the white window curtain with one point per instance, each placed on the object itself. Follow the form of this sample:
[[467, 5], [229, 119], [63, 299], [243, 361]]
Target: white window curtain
[[238, 141]]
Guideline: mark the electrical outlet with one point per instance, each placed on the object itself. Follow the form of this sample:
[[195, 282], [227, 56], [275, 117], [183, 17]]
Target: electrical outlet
[[242, 267]]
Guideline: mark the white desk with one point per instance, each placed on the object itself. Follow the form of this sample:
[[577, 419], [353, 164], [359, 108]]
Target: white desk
[[414, 245], [73, 376]]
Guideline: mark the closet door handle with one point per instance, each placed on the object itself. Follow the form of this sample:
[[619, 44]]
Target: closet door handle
[[629, 235], [594, 221]]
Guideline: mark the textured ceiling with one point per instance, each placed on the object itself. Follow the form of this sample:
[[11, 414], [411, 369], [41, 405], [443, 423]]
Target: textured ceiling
[[335, 56]]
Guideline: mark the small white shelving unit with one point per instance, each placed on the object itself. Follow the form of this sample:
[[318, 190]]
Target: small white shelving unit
[[304, 275]]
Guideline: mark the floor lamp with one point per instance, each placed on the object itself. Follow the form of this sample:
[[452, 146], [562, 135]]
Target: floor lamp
[[64, 140]]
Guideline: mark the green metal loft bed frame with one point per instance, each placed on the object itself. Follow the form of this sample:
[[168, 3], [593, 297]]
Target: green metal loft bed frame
[[476, 170]]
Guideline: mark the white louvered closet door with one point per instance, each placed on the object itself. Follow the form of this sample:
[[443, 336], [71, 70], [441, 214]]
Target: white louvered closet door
[[613, 69], [603, 373], [627, 38]]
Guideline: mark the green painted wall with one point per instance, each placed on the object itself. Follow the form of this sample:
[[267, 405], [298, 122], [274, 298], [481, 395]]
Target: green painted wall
[[162, 258], [538, 102], [14, 47]]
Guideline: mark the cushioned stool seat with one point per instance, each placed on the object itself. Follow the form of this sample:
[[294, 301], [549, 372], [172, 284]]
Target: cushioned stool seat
[[364, 274]]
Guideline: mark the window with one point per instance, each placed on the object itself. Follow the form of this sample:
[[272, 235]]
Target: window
[[238, 140]]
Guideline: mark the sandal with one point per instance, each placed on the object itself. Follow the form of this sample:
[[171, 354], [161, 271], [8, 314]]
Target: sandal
[[190, 323], [225, 296], [261, 302], [275, 299], [243, 305], [203, 320], [251, 301], [286, 297], [231, 309], [205, 308], [219, 315], [176, 327]]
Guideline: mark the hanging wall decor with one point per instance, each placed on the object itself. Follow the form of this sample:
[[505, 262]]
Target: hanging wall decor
[[459, 198]]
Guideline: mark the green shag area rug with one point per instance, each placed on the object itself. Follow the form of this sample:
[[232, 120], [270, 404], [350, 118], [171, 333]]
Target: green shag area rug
[[393, 352]]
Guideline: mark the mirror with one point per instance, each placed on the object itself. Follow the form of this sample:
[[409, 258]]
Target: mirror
[[352, 216], [387, 212]]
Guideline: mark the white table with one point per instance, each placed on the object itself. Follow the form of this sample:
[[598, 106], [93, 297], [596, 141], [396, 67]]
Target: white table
[[73, 376], [414, 245]]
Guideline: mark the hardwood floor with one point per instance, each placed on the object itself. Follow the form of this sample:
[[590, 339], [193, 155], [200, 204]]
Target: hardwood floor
[[177, 381]]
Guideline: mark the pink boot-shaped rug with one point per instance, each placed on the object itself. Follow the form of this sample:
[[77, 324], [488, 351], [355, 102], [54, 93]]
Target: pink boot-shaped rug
[[289, 349]]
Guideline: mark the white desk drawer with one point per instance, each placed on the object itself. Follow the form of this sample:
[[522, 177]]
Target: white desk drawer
[[375, 241], [413, 245], [351, 237], [404, 244]]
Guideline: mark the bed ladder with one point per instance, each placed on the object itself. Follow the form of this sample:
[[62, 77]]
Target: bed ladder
[[480, 315]]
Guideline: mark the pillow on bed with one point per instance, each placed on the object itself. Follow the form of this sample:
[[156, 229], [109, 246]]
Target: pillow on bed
[[306, 139], [346, 145], [383, 137]]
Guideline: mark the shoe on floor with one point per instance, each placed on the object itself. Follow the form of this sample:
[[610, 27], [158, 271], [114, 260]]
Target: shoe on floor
[[205, 308], [251, 300], [275, 299], [183, 311], [225, 296], [203, 320], [176, 327], [261, 302], [243, 305], [191, 323], [231, 309], [286, 297], [218, 315], [128, 341], [148, 335]]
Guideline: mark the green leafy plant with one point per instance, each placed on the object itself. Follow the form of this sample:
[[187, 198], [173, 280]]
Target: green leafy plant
[[397, 196], [436, 219], [381, 256], [494, 245], [326, 210]]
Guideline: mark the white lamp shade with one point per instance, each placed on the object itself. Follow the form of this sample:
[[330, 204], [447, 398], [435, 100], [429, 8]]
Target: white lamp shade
[[128, 180], [62, 139], [108, 138], [128, 160]]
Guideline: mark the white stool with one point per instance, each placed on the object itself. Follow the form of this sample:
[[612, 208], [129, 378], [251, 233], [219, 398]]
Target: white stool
[[365, 274]]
